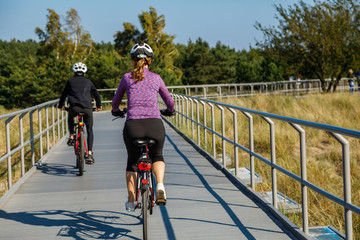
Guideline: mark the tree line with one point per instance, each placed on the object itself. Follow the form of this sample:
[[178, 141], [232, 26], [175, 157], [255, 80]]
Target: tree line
[[316, 41]]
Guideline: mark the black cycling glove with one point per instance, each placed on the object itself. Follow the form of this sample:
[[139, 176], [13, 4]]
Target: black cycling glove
[[118, 113], [167, 113]]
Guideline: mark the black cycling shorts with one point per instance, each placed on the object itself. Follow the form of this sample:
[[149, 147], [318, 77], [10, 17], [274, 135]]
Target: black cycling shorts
[[152, 128]]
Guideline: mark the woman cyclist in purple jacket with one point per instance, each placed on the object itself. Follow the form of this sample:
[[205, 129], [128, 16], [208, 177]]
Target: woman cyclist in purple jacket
[[143, 118]]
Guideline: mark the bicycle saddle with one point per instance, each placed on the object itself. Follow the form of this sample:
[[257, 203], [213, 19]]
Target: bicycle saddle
[[144, 142]]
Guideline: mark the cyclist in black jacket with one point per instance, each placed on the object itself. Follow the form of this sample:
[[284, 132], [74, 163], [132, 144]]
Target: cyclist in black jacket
[[79, 90]]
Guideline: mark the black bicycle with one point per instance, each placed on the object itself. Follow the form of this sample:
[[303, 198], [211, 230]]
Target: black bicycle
[[80, 147], [145, 177], [145, 183]]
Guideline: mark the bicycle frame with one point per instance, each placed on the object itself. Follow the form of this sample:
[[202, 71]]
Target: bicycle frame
[[79, 128], [144, 184], [144, 177], [80, 145]]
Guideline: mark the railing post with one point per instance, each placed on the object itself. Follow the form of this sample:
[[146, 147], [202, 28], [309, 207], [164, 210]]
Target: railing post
[[347, 183], [47, 129], [213, 129], [8, 149], [204, 117], [22, 152], [58, 122], [198, 121], [204, 89], [251, 145], [183, 111], [53, 124], [40, 132], [236, 152], [176, 103], [32, 137], [273, 161], [304, 196], [192, 118], [187, 114], [223, 134]]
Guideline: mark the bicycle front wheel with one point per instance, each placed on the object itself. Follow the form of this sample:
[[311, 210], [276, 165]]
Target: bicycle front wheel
[[144, 211], [82, 154]]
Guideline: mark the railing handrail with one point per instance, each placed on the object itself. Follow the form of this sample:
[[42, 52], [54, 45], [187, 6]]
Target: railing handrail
[[325, 127], [229, 84], [13, 114]]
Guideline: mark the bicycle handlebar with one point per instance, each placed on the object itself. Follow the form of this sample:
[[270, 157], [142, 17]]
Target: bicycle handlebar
[[121, 114], [167, 113], [67, 109]]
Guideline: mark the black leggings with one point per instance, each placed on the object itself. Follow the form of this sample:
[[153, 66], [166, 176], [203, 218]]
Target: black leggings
[[143, 128], [88, 120]]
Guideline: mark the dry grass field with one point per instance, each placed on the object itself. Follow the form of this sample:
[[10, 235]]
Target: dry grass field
[[323, 152]]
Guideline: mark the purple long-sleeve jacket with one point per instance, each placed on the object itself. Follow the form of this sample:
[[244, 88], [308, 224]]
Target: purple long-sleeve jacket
[[142, 96]]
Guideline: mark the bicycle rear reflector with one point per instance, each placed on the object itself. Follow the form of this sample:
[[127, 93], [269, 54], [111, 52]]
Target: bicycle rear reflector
[[144, 166]]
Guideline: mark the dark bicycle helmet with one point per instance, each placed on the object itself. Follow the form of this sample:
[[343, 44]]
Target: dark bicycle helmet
[[141, 50]]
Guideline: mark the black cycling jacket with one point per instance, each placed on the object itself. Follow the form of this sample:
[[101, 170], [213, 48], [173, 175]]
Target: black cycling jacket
[[79, 91]]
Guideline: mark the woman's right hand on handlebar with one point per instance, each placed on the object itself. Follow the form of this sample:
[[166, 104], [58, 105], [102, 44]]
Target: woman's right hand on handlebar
[[167, 113], [119, 113]]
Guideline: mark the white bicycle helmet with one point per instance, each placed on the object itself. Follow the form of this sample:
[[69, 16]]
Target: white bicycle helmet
[[141, 50], [79, 67]]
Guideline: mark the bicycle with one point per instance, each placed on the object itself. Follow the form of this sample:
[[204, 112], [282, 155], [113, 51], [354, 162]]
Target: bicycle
[[80, 148], [145, 183], [145, 177]]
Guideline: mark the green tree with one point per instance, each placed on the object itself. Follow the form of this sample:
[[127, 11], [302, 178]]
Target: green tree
[[249, 67], [53, 38], [80, 39], [197, 63], [165, 51], [320, 39]]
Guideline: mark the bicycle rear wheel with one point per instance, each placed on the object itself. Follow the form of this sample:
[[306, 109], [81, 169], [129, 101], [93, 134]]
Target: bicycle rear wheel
[[144, 211], [82, 154], [151, 194]]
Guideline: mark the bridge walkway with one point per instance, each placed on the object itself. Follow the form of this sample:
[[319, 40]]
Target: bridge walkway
[[55, 203]]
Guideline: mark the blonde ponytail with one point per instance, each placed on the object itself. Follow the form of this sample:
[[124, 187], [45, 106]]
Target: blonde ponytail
[[138, 72]]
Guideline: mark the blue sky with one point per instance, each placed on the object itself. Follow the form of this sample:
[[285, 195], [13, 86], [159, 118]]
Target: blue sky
[[229, 21]]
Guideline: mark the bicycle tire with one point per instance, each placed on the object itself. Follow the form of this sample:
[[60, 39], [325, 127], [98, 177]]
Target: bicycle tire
[[151, 195], [144, 211], [77, 161], [82, 154]]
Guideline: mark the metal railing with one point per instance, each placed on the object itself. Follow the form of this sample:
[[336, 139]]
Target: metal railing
[[31, 134], [235, 89], [189, 114], [209, 91]]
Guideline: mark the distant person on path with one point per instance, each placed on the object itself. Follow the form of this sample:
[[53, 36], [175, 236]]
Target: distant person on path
[[351, 80], [79, 90], [352, 85], [143, 118]]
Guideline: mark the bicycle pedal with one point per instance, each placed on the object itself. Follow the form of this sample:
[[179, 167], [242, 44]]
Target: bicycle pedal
[[161, 202]]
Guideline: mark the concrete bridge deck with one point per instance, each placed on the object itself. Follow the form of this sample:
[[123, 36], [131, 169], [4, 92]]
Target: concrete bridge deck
[[55, 203]]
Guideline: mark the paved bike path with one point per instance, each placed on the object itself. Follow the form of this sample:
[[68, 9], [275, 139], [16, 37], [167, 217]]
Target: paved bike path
[[55, 203]]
